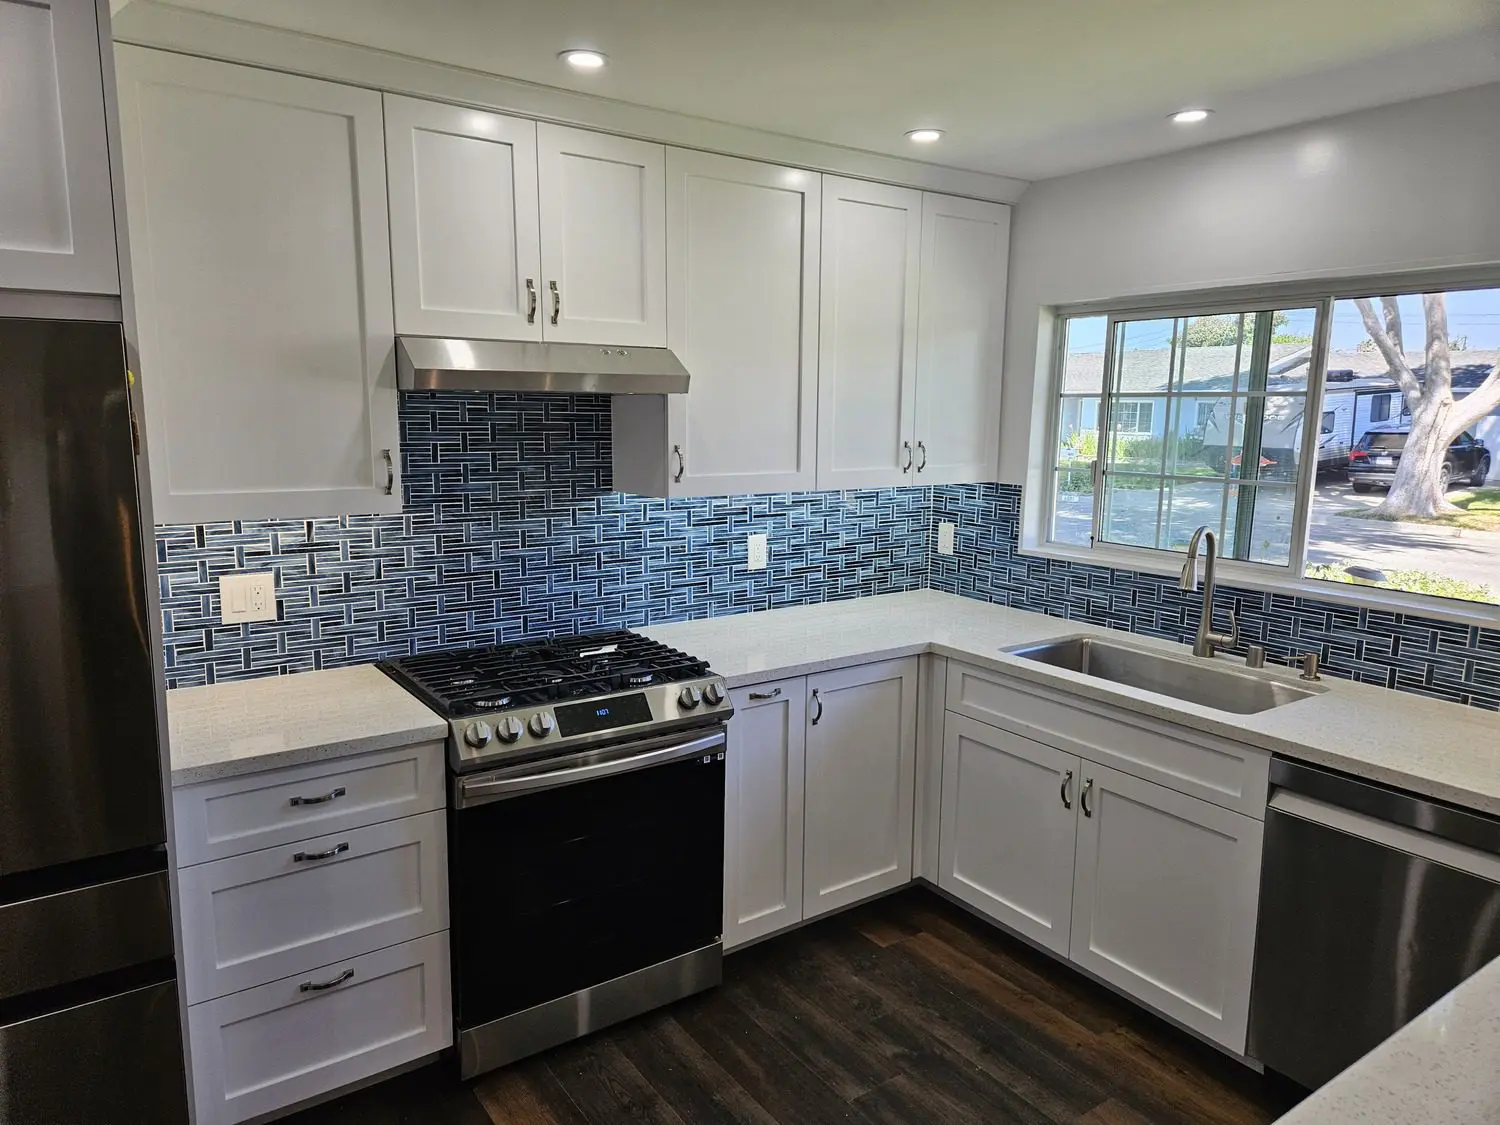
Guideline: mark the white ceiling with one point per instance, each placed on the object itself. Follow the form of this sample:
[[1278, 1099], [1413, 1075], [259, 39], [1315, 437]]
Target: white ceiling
[[1024, 88]]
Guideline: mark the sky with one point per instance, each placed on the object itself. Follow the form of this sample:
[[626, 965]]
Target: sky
[[1474, 313]]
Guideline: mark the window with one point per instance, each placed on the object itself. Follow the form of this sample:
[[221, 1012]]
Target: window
[[1179, 418]]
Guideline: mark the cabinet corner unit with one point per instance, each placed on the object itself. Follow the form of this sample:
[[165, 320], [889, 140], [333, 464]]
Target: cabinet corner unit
[[57, 218]]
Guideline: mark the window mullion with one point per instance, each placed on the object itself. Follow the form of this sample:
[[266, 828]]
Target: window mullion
[[1317, 379]]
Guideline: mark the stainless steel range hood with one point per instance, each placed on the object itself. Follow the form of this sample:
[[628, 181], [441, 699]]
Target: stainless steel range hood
[[426, 363]]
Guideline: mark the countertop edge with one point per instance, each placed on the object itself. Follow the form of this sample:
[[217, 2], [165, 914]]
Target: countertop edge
[[186, 776]]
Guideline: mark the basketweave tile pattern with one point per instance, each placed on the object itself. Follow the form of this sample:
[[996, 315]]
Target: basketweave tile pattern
[[1459, 663], [510, 530]]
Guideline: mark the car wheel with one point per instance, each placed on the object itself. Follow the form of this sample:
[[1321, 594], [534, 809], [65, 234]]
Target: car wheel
[[1482, 473], [1445, 476], [1360, 486]]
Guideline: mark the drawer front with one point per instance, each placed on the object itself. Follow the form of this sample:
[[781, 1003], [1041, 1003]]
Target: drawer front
[[258, 917], [1212, 769], [270, 1047], [242, 814]]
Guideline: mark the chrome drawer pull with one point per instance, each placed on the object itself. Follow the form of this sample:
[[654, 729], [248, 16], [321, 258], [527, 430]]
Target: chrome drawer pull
[[818, 717], [1067, 781], [530, 301], [307, 857], [342, 978], [556, 301], [1083, 798], [774, 693], [323, 800]]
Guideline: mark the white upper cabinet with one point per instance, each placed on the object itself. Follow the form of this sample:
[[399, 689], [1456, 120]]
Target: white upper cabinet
[[57, 224], [742, 315], [965, 255], [861, 774], [867, 353], [263, 286], [465, 247], [604, 248]]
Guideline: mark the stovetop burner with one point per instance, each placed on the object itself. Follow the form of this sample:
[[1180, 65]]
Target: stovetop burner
[[479, 681]]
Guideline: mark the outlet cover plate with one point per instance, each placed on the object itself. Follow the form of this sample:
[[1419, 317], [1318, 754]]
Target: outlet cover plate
[[247, 597], [945, 538], [757, 552]]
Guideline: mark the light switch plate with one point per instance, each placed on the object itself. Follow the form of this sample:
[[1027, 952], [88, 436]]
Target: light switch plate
[[247, 597], [757, 552], [945, 538]]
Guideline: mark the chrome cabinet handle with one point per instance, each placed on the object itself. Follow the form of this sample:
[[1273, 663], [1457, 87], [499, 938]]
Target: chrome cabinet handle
[[681, 463], [772, 694], [906, 445], [390, 471], [333, 795], [308, 857], [556, 301], [342, 978], [922, 445], [819, 702], [1067, 781], [1083, 798], [530, 300]]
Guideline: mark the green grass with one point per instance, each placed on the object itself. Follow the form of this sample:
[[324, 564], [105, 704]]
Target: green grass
[[1412, 582], [1480, 512]]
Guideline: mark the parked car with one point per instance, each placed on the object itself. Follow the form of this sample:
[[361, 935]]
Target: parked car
[[1373, 460]]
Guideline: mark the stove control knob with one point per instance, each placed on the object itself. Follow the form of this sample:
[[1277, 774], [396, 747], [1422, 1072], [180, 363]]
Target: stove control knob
[[689, 697], [509, 729], [478, 734], [713, 694], [541, 724]]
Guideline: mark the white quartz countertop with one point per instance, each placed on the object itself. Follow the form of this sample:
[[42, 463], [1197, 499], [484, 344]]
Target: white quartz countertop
[[1443, 1068], [250, 725], [1437, 749]]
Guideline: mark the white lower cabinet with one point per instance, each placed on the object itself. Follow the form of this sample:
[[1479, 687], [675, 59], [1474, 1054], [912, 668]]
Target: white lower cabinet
[[1165, 898], [269, 1047], [763, 810], [861, 772], [1008, 829]]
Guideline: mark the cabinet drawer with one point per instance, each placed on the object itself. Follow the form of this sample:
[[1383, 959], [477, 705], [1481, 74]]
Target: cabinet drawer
[[1214, 769], [242, 814], [253, 918], [273, 1046]]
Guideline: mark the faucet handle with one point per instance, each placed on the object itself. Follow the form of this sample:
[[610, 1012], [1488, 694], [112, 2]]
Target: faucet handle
[[1234, 630]]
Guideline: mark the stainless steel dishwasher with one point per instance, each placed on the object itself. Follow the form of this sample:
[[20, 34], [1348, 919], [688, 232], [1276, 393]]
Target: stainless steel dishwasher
[[1373, 904]]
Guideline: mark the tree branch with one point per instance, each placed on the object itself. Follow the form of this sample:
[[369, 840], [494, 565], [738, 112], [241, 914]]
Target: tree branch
[[1390, 346], [1475, 405], [1439, 381], [1392, 309]]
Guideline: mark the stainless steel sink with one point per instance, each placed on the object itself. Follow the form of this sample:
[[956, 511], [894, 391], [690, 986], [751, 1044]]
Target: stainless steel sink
[[1194, 680]]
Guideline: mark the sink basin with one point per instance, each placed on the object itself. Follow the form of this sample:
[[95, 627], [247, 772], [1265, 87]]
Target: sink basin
[[1192, 679]]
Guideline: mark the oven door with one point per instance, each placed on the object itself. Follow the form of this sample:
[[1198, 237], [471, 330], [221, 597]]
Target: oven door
[[603, 868]]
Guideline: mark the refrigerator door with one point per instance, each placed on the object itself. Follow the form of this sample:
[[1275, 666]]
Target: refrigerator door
[[79, 768]]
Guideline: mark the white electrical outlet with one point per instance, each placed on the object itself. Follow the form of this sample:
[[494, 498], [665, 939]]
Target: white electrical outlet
[[945, 538], [757, 552], [247, 597]]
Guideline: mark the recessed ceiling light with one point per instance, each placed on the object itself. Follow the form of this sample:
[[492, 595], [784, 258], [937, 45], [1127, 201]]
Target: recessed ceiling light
[[583, 60], [924, 136], [1190, 116]]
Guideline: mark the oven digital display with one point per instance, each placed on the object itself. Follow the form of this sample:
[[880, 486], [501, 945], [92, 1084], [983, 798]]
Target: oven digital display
[[606, 714]]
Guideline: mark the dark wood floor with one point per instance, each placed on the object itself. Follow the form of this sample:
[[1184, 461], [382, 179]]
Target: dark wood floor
[[904, 1011]]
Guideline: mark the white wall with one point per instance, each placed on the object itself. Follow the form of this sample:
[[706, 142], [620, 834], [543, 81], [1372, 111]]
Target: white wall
[[1409, 186]]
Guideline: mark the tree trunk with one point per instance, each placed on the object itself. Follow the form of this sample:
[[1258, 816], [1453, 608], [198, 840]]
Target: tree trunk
[[1417, 490]]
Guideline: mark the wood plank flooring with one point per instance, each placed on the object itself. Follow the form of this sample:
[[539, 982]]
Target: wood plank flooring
[[906, 1010]]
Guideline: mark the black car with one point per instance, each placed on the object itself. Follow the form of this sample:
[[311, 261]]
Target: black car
[[1373, 460]]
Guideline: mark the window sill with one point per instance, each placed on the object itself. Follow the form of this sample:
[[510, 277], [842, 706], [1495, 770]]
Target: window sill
[[1235, 574]]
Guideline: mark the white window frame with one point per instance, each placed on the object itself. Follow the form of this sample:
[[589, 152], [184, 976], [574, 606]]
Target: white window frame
[[1322, 294]]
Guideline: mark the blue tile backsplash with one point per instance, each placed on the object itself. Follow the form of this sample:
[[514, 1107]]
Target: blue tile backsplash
[[510, 530]]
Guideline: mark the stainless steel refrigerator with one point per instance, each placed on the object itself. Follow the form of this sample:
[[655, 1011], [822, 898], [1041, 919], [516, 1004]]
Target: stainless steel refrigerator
[[89, 1025]]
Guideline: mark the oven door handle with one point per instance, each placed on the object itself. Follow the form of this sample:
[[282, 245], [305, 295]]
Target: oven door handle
[[477, 790]]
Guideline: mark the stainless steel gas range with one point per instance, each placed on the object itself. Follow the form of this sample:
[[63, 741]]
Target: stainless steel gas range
[[586, 833]]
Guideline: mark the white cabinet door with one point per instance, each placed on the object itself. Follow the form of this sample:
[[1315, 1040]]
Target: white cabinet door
[[604, 240], [464, 240], [57, 223], [861, 769], [742, 315], [1164, 900], [1008, 829], [965, 255], [763, 810], [867, 351], [263, 287]]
